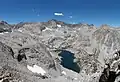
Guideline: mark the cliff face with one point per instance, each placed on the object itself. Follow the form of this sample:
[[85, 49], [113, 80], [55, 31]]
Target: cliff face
[[40, 43]]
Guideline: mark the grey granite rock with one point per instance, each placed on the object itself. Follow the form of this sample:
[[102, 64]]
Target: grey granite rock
[[40, 43]]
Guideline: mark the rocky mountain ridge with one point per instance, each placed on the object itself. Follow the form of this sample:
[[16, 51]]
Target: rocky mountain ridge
[[41, 43]]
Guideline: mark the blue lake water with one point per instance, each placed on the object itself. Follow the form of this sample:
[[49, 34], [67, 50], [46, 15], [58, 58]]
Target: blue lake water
[[67, 61]]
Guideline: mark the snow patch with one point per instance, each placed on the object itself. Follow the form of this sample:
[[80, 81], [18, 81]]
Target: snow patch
[[64, 73], [59, 25], [6, 32], [20, 30], [47, 29], [106, 66], [115, 55], [1, 33], [75, 78], [36, 69], [1, 80]]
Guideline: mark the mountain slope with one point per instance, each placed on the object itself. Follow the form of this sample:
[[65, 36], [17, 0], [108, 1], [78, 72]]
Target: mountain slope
[[39, 45]]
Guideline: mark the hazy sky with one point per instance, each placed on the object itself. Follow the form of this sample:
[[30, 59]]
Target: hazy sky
[[89, 11]]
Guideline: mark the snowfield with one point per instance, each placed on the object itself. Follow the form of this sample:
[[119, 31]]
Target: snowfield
[[36, 69], [59, 25]]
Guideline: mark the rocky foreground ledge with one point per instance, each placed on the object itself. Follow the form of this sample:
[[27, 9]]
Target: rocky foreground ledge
[[55, 51]]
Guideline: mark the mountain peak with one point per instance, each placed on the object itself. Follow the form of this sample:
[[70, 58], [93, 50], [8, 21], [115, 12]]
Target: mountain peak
[[105, 26], [3, 22]]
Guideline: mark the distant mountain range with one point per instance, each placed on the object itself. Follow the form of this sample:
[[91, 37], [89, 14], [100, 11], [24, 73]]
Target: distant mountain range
[[29, 45]]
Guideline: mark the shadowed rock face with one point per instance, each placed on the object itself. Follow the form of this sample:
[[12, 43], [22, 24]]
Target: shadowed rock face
[[38, 54], [6, 49], [11, 68], [109, 76], [67, 61], [5, 27], [112, 76]]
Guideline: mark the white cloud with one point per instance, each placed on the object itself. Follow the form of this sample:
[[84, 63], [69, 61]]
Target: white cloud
[[38, 15], [33, 9], [70, 16], [36, 69], [59, 14], [74, 23]]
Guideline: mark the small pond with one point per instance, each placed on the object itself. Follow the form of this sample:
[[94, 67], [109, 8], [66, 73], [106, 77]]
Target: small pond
[[67, 61]]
